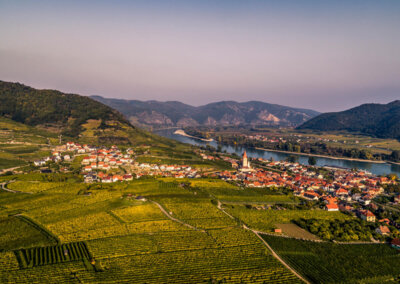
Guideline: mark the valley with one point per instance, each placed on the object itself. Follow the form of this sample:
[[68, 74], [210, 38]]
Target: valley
[[111, 203]]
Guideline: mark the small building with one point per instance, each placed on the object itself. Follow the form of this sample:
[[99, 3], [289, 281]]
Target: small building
[[368, 216], [39, 163], [383, 230], [331, 207]]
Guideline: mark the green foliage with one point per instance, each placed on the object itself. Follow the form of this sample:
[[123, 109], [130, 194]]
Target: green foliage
[[266, 220], [338, 263], [312, 161], [38, 107], [339, 230], [18, 233], [381, 120], [39, 256]]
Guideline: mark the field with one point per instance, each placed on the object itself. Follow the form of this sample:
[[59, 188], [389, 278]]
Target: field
[[294, 231], [267, 220], [39, 256], [177, 235], [227, 192], [130, 240], [20, 144], [17, 233], [335, 263]]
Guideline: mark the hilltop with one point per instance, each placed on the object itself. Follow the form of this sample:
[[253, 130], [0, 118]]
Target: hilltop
[[71, 115], [32, 120], [380, 120], [173, 113]]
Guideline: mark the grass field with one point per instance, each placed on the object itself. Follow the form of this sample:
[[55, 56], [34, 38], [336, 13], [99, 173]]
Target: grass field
[[294, 231], [335, 263]]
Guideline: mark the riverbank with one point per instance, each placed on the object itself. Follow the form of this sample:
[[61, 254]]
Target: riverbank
[[323, 156], [183, 133]]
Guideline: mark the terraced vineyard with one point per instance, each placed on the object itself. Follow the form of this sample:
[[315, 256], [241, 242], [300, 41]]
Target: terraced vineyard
[[334, 263], [51, 255], [130, 240], [57, 234]]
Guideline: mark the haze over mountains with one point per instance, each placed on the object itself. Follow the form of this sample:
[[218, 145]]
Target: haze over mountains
[[102, 118], [380, 120], [173, 113]]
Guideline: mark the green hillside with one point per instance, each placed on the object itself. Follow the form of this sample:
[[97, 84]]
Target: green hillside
[[379, 120], [56, 111]]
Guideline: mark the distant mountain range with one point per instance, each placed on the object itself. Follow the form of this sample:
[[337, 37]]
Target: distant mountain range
[[173, 113], [380, 120]]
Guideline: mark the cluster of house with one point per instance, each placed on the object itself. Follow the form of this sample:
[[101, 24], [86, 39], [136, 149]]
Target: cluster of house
[[176, 171], [59, 154], [106, 159], [341, 191], [98, 165], [263, 138]]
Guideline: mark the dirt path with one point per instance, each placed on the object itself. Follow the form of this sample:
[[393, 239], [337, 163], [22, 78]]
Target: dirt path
[[4, 187], [277, 256], [10, 169], [176, 220], [220, 208], [274, 254]]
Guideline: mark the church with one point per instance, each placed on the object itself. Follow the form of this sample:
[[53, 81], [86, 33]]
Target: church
[[245, 163]]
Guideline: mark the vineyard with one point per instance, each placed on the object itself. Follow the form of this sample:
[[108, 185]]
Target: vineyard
[[227, 192], [334, 263], [38, 256], [52, 234], [266, 220]]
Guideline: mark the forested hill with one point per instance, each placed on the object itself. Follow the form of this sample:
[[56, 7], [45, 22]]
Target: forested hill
[[68, 114], [173, 113], [380, 120]]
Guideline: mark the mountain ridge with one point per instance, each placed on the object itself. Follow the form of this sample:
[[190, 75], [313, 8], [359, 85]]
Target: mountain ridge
[[380, 120], [175, 113]]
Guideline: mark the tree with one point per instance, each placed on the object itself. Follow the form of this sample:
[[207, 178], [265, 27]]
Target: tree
[[312, 161], [395, 156], [291, 159]]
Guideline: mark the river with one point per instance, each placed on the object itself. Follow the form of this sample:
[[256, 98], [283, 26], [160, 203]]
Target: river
[[375, 168]]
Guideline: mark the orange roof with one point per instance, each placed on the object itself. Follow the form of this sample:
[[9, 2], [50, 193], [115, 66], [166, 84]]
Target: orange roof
[[368, 213], [384, 230], [332, 206]]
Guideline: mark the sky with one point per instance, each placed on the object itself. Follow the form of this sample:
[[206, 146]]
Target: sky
[[322, 55]]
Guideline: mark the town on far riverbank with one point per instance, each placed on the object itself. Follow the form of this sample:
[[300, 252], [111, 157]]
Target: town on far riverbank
[[378, 167]]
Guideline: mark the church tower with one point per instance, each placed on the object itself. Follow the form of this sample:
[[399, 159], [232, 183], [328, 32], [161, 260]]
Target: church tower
[[245, 162]]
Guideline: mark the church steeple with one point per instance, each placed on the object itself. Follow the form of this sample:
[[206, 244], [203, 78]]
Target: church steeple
[[245, 163]]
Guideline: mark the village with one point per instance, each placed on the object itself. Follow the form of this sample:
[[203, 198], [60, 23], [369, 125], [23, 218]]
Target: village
[[338, 189]]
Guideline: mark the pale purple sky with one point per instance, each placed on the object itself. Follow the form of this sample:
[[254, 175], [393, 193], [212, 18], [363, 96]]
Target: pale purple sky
[[323, 55]]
